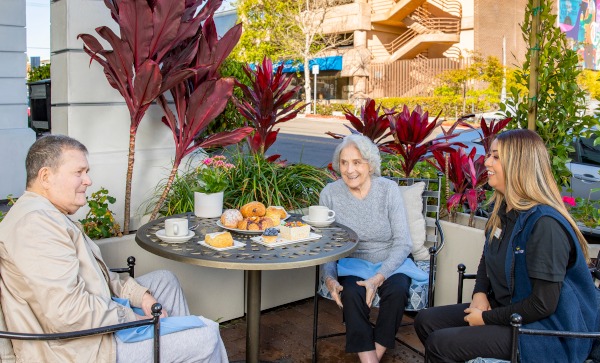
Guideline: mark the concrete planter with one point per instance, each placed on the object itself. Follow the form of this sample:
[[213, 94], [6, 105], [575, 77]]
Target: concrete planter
[[217, 294], [463, 245]]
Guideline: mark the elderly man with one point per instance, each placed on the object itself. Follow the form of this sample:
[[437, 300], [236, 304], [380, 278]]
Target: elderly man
[[53, 278]]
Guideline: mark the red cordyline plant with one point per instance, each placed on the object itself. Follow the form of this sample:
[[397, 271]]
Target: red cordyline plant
[[142, 64], [468, 174], [199, 99], [410, 131], [487, 133], [372, 123], [265, 104]]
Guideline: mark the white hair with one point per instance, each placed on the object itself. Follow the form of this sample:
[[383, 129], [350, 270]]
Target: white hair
[[368, 150]]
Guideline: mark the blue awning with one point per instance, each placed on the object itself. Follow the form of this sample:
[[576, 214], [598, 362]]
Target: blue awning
[[333, 63]]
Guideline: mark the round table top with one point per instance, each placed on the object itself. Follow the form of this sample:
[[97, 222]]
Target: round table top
[[336, 241]]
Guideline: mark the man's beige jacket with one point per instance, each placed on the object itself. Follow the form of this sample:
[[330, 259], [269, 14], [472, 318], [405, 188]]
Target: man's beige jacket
[[53, 279]]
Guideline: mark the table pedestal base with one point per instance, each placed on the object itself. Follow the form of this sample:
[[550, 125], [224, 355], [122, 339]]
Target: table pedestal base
[[253, 316]]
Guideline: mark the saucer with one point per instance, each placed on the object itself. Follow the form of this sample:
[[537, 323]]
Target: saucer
[[318, 223], [174, 239]]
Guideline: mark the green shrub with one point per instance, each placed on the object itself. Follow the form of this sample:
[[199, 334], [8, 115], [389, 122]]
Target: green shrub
[[292, 186], [39, 73], [100, 222]]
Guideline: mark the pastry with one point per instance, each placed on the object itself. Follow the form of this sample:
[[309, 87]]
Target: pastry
[[276, 210], [253, 209], [270, 235], [231, 217], [294, 230], [255, 223], [274, 217], [219, 239]]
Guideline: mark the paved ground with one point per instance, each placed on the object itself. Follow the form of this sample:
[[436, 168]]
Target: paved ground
[[286, 336]]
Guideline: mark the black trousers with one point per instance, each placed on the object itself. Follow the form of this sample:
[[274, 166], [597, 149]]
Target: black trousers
[[361, 336], [448, 338]]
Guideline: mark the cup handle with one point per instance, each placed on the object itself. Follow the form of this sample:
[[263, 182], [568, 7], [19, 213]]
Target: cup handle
[[331, 214], [176, 229]]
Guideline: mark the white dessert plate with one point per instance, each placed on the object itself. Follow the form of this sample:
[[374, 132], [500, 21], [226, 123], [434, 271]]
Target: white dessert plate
[[236, 244], [174, 239], [282, 241], [242, 231], [318, 223]]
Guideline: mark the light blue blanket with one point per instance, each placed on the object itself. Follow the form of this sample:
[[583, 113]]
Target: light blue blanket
[[168, 325], [358, 267]]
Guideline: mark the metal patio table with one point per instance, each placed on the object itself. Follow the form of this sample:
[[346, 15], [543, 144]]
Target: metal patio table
[[337, 241]]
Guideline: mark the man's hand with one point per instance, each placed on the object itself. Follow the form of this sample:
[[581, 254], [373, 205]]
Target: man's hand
[[371, 284], [147, 301], [334, 288], [480, 301], [474, 316]]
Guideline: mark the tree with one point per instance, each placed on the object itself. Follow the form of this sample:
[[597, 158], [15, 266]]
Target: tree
[[289, 29], [39, 73], [455, 81], [142, 63], [560, 101]]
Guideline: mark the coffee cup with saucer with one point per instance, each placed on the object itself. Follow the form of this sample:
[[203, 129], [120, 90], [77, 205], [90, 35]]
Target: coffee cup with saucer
[[318, 224]]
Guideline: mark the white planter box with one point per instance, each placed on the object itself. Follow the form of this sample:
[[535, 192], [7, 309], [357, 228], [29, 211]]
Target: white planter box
[[463, 244], [217, 294]]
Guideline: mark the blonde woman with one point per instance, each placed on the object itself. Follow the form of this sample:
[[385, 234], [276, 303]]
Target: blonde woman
[[533, 263]]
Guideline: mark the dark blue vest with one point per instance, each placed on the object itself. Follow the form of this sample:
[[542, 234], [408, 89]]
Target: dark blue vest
[[577, 308]]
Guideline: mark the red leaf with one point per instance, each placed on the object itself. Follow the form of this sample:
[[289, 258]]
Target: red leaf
[[225, 138], [166, 19], [207, 102], [136, 28], [147, 82]]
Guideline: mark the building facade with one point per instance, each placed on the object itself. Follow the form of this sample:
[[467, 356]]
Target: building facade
[[410, 41]]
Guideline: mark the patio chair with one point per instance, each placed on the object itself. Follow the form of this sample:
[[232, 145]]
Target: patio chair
[[420, 296], [516, 322], [6, 350]]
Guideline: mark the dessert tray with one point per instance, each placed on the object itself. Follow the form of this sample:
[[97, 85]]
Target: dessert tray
[[161, 234], [243, 231], [282, 241], [318, 224], [236, 244]]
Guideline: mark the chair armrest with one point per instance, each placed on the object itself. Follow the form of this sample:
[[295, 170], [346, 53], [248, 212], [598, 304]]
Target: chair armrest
[[461, 277], [87, 332], [130, 269]]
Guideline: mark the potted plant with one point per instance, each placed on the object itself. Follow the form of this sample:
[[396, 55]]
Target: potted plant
[[212, 175], [586, 212]]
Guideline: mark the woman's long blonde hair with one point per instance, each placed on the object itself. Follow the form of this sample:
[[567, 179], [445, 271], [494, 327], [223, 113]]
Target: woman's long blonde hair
[[528, 179]]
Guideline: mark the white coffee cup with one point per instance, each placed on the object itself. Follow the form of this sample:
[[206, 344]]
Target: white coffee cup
[[176, 227], [319, 213]]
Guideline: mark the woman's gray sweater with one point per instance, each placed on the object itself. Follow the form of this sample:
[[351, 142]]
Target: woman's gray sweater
[[379, 220]]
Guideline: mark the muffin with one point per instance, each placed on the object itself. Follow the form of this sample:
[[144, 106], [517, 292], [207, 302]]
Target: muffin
[[270, 235]]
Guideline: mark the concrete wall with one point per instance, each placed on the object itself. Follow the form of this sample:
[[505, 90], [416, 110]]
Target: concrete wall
[[85, 107], [15, 136]]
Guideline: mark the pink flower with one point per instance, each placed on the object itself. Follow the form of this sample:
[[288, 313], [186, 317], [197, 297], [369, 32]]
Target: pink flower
[[207, 161], [569, 201]]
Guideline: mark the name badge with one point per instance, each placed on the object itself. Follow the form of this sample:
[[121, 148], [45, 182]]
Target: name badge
[[498, 233]]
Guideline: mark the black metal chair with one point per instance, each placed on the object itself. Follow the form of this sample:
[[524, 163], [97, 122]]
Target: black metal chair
[[516, 320], [431, 198], [155, 321]]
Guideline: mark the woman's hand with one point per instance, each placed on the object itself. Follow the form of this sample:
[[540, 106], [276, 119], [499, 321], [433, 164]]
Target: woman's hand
[[147, 301], [334, 288], [480, 301], [474, 316], [371, 284]]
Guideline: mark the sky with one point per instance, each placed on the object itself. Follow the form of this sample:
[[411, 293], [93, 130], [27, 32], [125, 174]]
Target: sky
[[38, 28]]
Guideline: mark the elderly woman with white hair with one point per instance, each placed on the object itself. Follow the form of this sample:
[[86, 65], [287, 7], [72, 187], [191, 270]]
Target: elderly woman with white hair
[[373, 207]]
